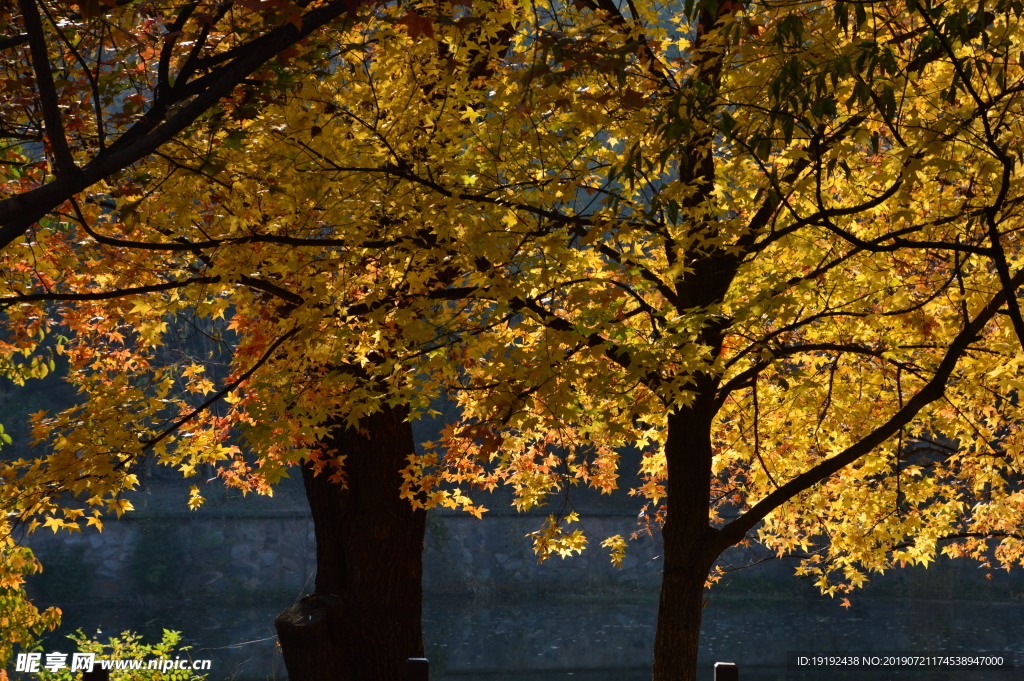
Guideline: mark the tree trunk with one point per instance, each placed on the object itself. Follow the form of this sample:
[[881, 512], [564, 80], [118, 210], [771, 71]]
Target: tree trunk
[[690, 548], [680, 607], [363, 620]]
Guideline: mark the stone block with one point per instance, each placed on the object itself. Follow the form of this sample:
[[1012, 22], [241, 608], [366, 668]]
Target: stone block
[[241, 552]]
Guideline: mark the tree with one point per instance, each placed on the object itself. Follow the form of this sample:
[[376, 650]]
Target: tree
[[128, 79], [704, 258], [778, 248], [315, 328]]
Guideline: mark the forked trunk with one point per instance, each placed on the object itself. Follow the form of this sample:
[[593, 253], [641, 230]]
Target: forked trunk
[[363, 620]]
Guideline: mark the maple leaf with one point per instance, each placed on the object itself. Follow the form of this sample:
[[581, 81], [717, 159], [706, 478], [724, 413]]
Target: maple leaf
[[417, 25], [631, 99]]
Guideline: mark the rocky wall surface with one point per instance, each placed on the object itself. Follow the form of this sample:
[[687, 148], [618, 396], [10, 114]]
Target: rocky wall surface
[[153, 555], [463, 552], [263, 549]]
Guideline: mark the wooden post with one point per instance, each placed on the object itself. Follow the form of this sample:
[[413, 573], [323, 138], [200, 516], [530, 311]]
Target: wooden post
[[97, 674], [417, 669], [726, 671]]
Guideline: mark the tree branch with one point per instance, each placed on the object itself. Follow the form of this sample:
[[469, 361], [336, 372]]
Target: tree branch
[[18, 213], [64, 163], [103, 295], [230, 387], [13, 41], [933, 390]]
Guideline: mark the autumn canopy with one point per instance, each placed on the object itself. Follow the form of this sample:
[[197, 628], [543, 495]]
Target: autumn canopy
[[774, 245]]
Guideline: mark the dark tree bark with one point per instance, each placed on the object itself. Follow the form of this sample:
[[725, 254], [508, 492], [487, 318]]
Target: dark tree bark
[[363, 620], [690, 542]]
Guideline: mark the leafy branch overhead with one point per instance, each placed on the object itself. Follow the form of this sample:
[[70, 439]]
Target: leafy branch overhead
[[131, 78]]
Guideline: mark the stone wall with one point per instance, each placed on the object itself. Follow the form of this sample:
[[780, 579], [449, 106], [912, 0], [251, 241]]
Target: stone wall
[[265, 548], [255, 547], [463, 553], [160, 557]]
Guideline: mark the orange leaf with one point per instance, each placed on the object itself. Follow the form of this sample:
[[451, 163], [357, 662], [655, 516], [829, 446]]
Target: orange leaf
[[631, 99], [417, 25]]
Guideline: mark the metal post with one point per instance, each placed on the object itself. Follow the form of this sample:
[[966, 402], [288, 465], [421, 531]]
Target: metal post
[[417, 669], [726, 671]]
